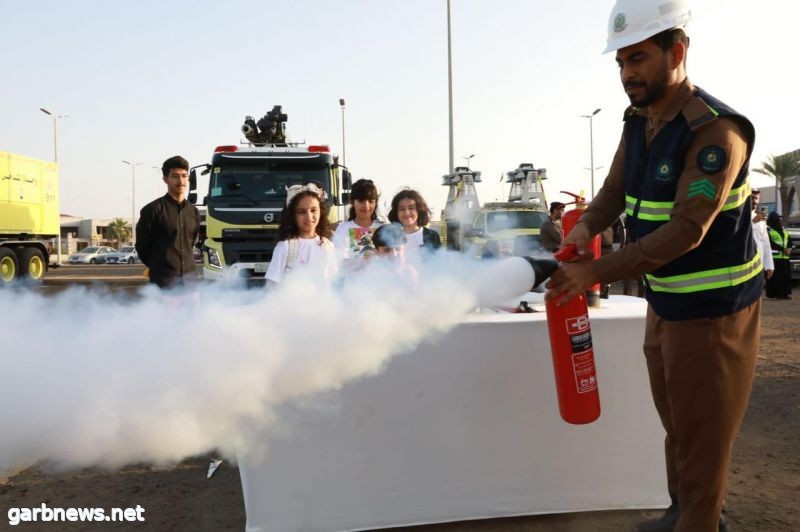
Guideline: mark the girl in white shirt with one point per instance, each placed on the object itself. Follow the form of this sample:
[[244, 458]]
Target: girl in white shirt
[[304, 232], [353, 238], [410, 210]]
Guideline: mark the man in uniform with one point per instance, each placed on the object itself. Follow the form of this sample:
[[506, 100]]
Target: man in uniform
[[551, 233], [168, 227], [680, 174], [760, 234]]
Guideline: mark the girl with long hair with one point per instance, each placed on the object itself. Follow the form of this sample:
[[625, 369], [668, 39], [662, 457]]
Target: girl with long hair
[[304, 231]]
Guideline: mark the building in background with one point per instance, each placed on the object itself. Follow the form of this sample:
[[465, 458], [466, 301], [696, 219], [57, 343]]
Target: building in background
[[78, 233]]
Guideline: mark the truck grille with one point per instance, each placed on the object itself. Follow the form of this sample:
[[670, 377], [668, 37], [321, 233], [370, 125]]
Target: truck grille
[[528, 245]]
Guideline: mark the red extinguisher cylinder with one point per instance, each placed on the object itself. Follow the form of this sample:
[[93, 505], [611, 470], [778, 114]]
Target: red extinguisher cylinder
[[573, 356]]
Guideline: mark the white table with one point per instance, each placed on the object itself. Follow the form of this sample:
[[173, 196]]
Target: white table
[[466, 427]]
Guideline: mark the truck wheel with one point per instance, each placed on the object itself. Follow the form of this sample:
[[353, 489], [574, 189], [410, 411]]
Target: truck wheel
[[8, 266], [31, 264]]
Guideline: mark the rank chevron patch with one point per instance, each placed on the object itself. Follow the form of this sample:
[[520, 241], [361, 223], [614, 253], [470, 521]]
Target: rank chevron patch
[[702, 187]]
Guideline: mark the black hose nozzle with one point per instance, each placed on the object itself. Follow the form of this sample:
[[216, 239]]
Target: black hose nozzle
[[542, 269]]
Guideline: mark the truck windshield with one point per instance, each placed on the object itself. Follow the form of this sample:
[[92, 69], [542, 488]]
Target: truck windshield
[[498, 221], [265, 180]]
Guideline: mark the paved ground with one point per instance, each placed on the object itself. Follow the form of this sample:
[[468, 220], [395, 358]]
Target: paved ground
[[764, 482]]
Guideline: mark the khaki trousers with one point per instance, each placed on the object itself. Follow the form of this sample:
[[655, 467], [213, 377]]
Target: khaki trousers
[[701, 372]]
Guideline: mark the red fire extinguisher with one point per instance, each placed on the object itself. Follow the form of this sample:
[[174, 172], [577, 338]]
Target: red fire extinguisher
[[568, 222], [573, 356]]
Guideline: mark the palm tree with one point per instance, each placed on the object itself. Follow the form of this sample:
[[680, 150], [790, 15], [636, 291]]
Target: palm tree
[[119, 230], [783, 168]]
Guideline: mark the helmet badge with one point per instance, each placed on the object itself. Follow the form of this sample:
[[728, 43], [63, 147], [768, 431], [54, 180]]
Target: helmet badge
[[619, 23]]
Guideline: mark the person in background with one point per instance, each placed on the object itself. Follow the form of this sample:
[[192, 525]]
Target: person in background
[[353, 238], [760, 233], [303, 233], [410, 210], [551, 233], [779, 286], [167, 229]]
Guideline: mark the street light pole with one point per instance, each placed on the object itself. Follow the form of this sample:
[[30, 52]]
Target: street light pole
[[133, 198], [344, 151], [55, 117], [591, 146], [450, 83], [467, 158]]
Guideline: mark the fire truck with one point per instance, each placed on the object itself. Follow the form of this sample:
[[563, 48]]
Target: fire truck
[[247, 192]]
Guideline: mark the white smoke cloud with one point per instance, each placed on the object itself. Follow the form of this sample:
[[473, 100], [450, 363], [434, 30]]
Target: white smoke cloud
[[89, 378]]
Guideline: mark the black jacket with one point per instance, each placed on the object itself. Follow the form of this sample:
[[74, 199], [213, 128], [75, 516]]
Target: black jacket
[[165, 236]]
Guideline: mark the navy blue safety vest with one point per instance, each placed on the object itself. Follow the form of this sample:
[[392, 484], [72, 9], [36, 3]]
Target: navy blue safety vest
[[721, 275]]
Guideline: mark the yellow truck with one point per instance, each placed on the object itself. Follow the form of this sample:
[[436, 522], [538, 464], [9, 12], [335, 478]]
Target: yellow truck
[[503, 229], [29, 216]]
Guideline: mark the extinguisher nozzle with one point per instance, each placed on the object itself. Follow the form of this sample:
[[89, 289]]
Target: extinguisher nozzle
[[542, 269]]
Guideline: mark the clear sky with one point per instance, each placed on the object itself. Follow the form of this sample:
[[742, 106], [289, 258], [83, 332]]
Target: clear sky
[[145, 80]]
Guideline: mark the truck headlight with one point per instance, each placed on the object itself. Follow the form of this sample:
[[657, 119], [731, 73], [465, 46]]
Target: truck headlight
[[506, 247], [213, 258]]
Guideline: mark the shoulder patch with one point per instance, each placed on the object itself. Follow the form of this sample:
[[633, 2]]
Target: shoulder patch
[[702, 187], [698, 113], [711, 159], [630, 112]]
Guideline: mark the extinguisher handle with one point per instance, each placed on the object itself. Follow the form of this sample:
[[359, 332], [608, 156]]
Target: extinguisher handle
[[579, 199], [567, 253]]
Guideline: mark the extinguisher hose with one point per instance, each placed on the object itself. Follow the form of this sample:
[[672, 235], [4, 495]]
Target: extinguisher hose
[[543, 269]]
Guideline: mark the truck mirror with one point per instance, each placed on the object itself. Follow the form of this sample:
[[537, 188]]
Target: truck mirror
[[192, 197], [193, 181], [205, 200], [347, 180], [345, 198]]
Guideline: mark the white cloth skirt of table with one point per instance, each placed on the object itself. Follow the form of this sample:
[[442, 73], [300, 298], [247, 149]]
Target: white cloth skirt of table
[[466, 427]]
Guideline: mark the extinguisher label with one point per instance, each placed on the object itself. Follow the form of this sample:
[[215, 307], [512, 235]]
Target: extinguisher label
[[576, 325], [583, 367], [581, 342], [580, 336]]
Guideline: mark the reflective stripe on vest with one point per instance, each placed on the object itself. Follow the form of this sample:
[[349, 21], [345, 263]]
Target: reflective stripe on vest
[[659, 211], [782, 241], [706, 280], [653, 211]]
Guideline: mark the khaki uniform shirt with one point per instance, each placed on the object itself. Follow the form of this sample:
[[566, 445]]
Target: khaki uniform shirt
[[690, 217]]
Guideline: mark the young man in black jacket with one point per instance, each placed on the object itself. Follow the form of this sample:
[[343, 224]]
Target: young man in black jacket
[[168, 227]]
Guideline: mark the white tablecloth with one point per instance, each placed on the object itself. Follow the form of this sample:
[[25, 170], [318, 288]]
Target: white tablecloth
[[466, 427]]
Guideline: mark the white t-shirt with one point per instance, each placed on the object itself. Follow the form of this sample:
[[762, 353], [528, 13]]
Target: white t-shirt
[[413, 249], [317, 254], [351, 240], [761, 237]]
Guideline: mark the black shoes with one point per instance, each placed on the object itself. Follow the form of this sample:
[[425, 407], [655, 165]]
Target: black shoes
[[723, 524], [667, 522]]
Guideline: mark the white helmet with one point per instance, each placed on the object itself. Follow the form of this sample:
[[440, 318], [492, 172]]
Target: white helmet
[[633, 21]]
